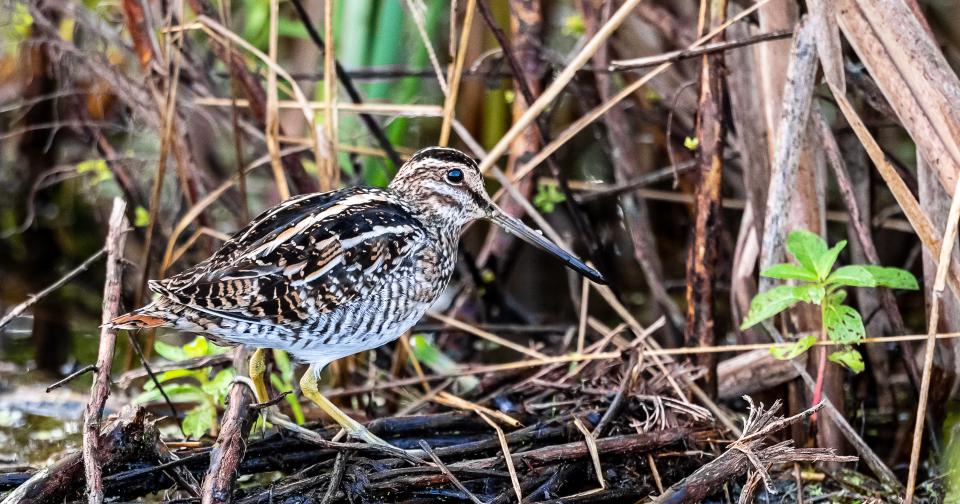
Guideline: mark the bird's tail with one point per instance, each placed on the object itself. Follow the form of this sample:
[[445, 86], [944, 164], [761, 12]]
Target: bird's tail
[[147, 317]]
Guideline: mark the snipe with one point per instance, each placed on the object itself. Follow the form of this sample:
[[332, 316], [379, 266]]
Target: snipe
[[327, 275]]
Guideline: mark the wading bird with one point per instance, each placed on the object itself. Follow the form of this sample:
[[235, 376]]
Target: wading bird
[[323, 276]]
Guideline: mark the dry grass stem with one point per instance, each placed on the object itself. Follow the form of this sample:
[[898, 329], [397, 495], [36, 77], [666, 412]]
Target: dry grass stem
[[329, 171], [100, 389], [463, 326], [398, 109], [911, 208], [272, 127], [453, 401], [456, 72], [594, 453], [505, 448], [418, 10], [943, 266]]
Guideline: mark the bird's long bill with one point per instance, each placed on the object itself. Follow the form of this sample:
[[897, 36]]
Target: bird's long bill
[[515, 226]]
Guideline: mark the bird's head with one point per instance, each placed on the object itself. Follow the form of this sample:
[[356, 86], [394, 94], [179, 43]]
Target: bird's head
[[447, 186]]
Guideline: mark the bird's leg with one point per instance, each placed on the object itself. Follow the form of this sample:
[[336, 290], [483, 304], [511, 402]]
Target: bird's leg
[[309, 385], [258, 368]]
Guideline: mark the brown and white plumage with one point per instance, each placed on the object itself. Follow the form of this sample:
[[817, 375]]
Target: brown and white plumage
[[328, 275]]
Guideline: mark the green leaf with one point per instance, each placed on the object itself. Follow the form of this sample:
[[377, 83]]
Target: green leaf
[[169, 352], [843, 323], [807, 248], [787, 271], [893, 278], [217, 387], [290, 28], [173, 374], [574, 26], [850, 359], [282, 362], [547, 197], [854, 276], [829, 258], [837, 297], [873, 276], [98, 167], [769, 303], [794, 350], [427, 352], [177, 392], [691, 143], [197, 348], [811, 293], [141, 217], [431, 356], [199, 420]]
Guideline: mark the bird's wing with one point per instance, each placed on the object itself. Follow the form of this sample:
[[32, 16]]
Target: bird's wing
[[302, 258]]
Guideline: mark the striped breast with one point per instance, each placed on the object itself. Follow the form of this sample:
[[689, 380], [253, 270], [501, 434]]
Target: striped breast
[[304, 259]]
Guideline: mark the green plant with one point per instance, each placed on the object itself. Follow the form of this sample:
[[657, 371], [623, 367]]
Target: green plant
[[200, 386], [818, 283], [547, 197], [206, 389]]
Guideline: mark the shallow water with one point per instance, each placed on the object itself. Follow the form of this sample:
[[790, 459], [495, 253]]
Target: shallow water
[[36, 425]]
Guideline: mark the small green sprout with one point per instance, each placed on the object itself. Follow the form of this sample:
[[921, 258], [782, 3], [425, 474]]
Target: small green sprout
[[547, 197], [818, 283], [141, 217], [574, 26]]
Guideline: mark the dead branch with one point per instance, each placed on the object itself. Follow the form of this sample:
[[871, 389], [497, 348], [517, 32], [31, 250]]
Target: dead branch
[[748, 452], [702, 255], [100, 389], [228, 451], [682, 54]]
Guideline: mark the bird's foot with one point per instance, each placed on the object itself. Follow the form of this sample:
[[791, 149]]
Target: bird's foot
[[358, 431]]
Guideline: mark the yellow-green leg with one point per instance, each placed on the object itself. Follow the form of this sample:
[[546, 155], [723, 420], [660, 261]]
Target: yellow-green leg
[[309, 386], [258, 368]]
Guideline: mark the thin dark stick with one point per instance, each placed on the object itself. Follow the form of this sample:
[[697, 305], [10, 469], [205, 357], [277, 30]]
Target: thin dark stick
[[72, 376], [20, 308], [446, 471], [100, 388], [673, 56], [347, 83], [153, 377], [220, 360], [271, 402], [339, 467]]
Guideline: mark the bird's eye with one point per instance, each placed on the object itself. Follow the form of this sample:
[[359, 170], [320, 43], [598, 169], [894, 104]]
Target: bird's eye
[[455, 176]]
